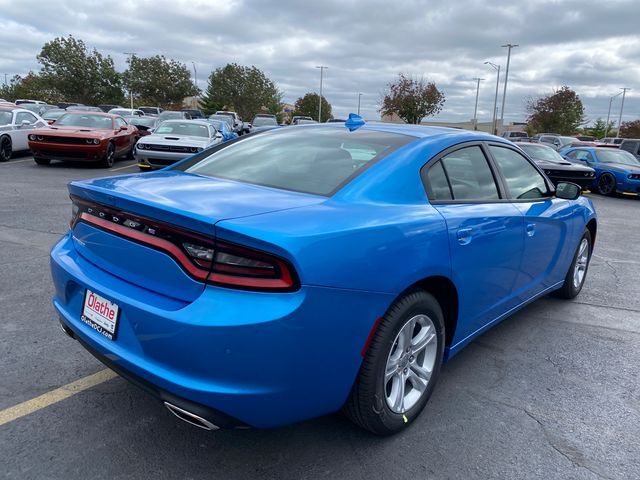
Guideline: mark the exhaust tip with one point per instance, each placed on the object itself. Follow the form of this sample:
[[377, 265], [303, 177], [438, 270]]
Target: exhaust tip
[[67, 330], [190, 418]]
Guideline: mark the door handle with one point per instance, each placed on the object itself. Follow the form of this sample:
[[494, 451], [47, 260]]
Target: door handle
[[464, 236], [531, 229]]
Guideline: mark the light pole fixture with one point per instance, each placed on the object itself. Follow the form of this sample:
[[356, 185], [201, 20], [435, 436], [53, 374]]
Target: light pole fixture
[[606, 127], [475, 110], [494, 128], [195, 77], [506, 78], [131, 55], [359, 95], [321, 67], [624, 92]]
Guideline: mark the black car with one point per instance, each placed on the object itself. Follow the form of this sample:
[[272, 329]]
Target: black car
[[556, 167], [195, 114]]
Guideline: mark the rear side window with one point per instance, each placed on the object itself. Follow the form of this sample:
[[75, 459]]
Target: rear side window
[[437, 183], [469, 175], [523, 179], [310, 160]]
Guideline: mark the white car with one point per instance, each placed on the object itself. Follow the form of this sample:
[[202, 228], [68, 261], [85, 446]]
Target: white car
[[126, 112], [174, 140], [15, 125]]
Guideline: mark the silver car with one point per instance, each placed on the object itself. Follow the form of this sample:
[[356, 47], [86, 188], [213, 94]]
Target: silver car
[[174, 140], [15, 125]]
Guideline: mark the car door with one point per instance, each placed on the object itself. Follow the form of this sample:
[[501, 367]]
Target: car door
[[21, 132], [548, 222], [485, 233], [124, 139]]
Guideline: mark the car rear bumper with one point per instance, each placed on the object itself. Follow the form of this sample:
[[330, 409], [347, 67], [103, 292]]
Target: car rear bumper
[[260, 359]]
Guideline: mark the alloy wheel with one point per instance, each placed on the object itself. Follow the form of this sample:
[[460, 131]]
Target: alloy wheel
[[5, 149], [582, 261], [606, 184], [410, 363]]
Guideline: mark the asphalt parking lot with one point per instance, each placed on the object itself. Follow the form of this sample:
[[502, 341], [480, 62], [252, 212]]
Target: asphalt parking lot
[[552, 392]]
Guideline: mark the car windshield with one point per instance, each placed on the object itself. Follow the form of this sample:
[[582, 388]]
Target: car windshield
[[264, 122], [5, 117], [617, 156], [171, 115], [316, 161], [144, 121], [542, 153], [183, 128], [567, 140], [85, 120], [223, 118], [53, 114]]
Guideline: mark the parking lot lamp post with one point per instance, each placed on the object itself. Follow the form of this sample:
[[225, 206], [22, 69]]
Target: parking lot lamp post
[[321, 67], [359, 95], [506, 78], [475, 110], [495, 100], [195, 77], [606, 128], [131, 55], [624, 92]]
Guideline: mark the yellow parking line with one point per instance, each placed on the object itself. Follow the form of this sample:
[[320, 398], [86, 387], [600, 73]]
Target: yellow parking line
[[122, 168], [25, 408]]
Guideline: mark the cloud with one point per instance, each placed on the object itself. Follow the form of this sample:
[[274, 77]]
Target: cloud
[[590, 46]]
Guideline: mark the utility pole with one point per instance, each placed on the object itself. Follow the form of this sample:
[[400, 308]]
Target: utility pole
[[506, 78], [624, 92], [475, 110], [5, 79], [195, 82], [359, 95], [321, 67], [131, 55], [606, 128], [495, 99]]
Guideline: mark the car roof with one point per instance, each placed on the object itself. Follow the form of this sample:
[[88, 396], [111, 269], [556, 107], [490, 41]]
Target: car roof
[[418, 131], [186, 120], [85, 112]]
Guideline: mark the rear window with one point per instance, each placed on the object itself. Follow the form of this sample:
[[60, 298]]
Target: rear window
[[317, 161]]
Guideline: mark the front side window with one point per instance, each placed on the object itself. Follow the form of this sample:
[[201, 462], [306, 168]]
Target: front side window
[[120, 122], [469, 175], [316, 161], [522, 178], [22, 116]]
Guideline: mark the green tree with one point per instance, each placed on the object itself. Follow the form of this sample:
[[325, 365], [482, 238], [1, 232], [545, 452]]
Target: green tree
[[599, 129], [412, 99], [630, 129], [76, 74], [30, 86], [245, 90], [308, 106], [561, 112], [157, 81]]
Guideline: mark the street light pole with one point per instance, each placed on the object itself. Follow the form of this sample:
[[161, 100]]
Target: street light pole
[[475, 110], [606, 128], [506, 78], [131, 54], [359, 95], [495, 99], [195, 75], [321, 67], [624, 92]]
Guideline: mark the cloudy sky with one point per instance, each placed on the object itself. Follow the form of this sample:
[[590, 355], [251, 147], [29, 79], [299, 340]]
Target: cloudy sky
[[591, 46]]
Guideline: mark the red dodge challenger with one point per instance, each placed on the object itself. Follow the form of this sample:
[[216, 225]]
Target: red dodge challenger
[[84, 137]]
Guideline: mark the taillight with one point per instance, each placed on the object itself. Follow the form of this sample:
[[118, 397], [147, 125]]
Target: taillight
[[212, 261]]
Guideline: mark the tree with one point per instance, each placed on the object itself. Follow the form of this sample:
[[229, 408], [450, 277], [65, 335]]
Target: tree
[[76, 74], [412, 99], [630, 129], [158, 81], [30, 86], [308, 106], [246, 90], [600, 128], [561, 112]]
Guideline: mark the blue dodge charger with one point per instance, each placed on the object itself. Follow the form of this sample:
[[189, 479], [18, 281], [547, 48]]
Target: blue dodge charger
[[313, 268]]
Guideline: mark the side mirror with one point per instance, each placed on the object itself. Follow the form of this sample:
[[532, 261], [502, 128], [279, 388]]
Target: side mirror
[[25, 123], [218, 135], [123, 127], [568, 190]]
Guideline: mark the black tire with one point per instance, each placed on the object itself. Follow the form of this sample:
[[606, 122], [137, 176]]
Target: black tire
[[42, 161], [367, 405], [109, 156], [130, 153], [5, 149], [606, 184], [569, 289]]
